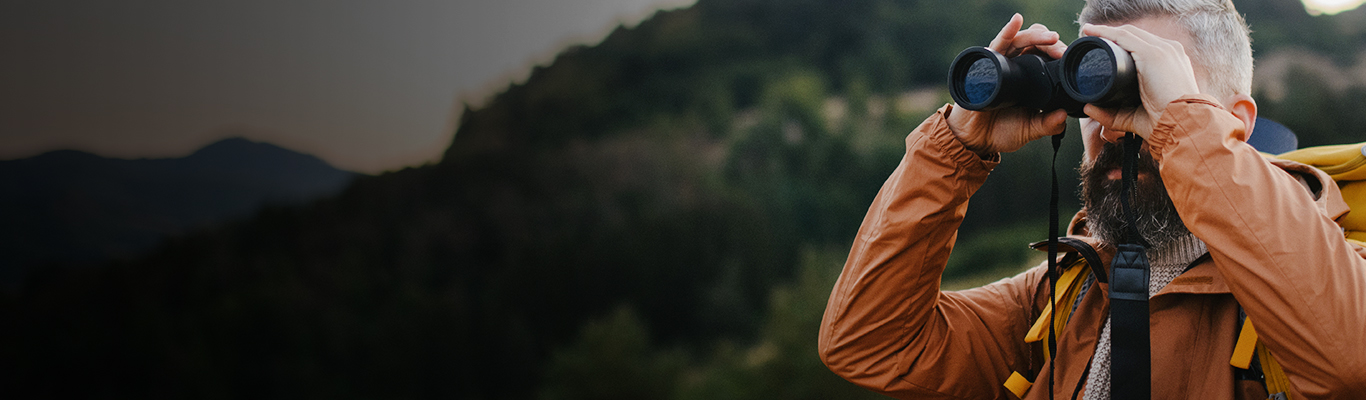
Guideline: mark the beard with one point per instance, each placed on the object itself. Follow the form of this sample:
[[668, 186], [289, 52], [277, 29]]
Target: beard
[[1154, 213]]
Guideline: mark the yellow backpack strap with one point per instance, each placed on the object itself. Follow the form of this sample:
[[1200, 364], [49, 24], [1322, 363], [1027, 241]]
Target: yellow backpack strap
[[1078, 274], [1040, 327], [1018, 385], [1071, 281], [1247, 345], [1277, 383]]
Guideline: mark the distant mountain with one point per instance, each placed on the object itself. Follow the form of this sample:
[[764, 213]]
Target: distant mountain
[[69, 206]]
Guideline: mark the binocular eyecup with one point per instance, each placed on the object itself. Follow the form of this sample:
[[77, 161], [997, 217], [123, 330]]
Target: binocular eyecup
[[1092, 71]]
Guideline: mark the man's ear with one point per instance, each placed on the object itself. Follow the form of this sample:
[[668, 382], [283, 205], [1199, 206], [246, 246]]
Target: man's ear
[[1245, 108]]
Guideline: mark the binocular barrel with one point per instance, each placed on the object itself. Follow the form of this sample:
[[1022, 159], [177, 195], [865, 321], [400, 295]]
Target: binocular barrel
[[1092, 71]]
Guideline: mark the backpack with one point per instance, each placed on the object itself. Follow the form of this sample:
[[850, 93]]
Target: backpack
[[1346, 164]]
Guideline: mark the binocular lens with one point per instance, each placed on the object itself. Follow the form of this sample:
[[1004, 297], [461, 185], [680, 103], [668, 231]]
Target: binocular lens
[[1097, 71], [1094, 73], [981, 81]]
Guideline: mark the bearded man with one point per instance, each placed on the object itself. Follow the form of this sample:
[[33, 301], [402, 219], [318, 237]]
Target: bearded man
[[1230, 234]]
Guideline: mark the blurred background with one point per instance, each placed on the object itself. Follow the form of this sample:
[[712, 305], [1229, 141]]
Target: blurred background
[[533, 199]]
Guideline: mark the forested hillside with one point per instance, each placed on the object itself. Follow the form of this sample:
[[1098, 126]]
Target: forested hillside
[[660, 215]]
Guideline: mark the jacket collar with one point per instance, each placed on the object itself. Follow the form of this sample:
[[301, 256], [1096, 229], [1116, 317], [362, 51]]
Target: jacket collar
[[1203, 278]]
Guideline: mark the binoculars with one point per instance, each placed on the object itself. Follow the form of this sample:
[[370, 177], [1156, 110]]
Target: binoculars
[[1092, 71]]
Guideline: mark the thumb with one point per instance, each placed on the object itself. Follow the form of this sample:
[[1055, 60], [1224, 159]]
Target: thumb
[[1102, 116], [1122, 120], [1053, 123]]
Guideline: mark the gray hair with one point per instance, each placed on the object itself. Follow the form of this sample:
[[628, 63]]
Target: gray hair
[[1218, 34]]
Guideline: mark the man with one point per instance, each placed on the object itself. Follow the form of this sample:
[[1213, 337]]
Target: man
[[1274, 250]]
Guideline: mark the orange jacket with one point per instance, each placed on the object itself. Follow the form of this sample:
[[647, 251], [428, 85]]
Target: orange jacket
[[889, 328]]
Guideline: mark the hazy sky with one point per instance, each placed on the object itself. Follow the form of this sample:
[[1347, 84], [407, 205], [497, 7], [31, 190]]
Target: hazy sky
[[366, 85]]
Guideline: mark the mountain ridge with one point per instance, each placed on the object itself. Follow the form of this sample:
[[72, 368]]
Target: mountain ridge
[[71, 206]]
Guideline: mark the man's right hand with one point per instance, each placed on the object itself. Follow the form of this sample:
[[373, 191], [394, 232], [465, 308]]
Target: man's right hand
[[1009, 129]]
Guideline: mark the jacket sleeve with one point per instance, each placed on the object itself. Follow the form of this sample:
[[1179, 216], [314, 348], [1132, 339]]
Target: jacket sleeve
[[887, 326], [1284, 258]]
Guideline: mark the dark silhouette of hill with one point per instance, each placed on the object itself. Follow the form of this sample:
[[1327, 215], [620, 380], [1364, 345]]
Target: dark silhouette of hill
[[73, 207], [682, 170]]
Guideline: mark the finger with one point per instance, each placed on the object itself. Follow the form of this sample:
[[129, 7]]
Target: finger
[[1118, 121], [1029, 38], [1158, 45], [1053, 123], [1007, 33], [1037, 27], [1149, 37], [1127, 39], [1102, 116], [1054, 50], [1095, 30]]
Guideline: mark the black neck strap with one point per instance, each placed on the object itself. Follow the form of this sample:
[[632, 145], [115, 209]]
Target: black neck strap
[[1053, 272], [1129, 180], [1130, 354]]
